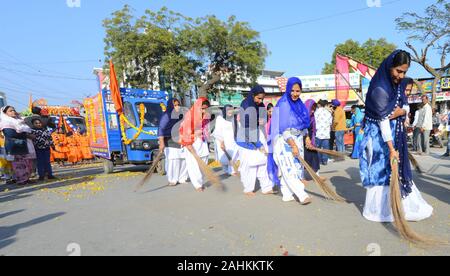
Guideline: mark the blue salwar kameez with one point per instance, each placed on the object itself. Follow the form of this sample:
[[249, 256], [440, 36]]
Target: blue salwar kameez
[[382, 100]]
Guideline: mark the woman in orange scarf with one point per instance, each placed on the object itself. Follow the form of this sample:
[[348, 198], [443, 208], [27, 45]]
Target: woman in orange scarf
[[61, 150], [194, 136]]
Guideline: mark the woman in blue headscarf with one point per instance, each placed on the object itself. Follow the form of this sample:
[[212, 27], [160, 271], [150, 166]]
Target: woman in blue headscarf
[[224, 139], [356, 124], [385, 142], [290, 123], [175, 163], [252, 143]]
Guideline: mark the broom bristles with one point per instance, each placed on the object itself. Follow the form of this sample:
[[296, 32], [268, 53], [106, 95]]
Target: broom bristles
[[400, 222], [209, 174], [328, 191], [149, 173], [415, 163]]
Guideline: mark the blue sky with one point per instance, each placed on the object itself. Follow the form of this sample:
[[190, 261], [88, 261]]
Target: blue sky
[[47, 37]]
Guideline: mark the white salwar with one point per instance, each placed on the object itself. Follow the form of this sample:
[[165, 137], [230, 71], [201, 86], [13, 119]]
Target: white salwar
[[176, 165], [378, 207], [291, 171], [224, 133], [254, 166], [194, 172]]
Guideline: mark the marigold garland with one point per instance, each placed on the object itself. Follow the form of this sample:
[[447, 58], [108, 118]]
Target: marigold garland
[[124, 120]]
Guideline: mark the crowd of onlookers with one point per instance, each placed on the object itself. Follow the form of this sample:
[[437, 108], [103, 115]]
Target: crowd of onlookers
[[331, 126], [429, 128], [30, 145]]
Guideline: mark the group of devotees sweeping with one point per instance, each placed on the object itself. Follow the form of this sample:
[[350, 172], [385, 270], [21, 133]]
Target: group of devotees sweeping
[[277, 148]]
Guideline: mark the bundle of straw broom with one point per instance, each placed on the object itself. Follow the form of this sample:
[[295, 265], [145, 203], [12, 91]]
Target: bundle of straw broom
[[415, 163], [327, 190], [209, 174], [400, 222]]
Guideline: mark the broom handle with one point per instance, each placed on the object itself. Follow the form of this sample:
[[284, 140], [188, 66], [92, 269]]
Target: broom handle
[[226, 153], [149, 173]]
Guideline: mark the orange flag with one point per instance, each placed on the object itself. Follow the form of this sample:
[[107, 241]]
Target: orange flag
[[30, 104], [114, 87]]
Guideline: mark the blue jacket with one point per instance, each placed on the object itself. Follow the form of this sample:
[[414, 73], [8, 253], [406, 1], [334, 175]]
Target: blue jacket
[[15, 143]]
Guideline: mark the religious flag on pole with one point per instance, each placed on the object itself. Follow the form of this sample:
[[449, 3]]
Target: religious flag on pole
[[30, 103], [115, 91]]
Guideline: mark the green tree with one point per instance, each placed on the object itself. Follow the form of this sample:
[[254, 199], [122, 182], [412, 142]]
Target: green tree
[[228, 53], [372, 52], [203, 52], [433, 31]]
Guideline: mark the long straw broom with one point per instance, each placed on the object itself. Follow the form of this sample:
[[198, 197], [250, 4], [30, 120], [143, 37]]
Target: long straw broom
[[328, 191], [400, 222], [415, 163], [332, 153], [150, 172], [209, 174]]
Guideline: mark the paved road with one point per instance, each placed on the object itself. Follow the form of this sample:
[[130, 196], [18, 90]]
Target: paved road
[[104, 216]]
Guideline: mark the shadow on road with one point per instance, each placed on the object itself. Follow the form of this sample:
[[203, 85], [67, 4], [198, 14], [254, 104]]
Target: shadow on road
[[8, 233], [11, 213], [10, 197], [349, 189], [425, 185], [20, 192]]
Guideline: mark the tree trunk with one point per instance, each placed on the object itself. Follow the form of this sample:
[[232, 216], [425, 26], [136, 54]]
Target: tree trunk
[[437, 78], [204, 89], [419, 86]]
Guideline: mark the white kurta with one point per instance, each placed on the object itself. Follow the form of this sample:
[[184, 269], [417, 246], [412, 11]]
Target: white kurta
[[254, 166], [290, 169], [176, 165], [224, 133], [194, 172], [378, 207]]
